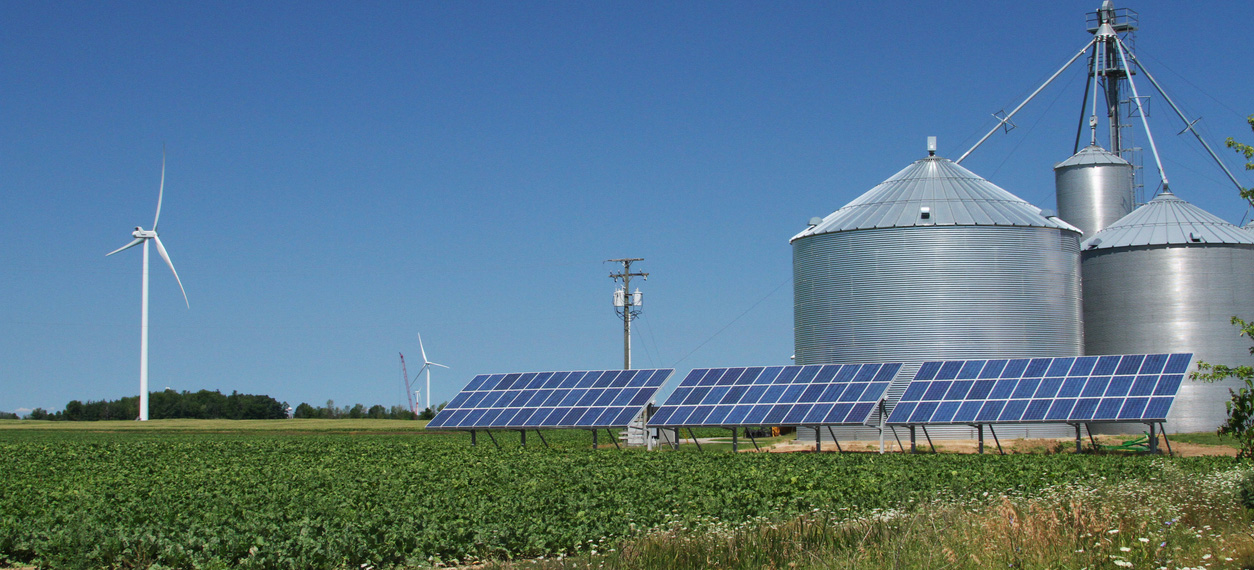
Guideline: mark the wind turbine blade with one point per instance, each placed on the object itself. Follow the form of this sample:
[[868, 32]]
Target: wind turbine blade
[[160, 191], [166, 257], [424, 351], [127, 246], [438, 364]]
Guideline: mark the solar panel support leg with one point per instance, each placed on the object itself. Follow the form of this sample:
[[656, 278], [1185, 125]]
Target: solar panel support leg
[[472, 438], [493, 438], [612, 438], [753, 439], [912, 446], [834, 440], [735, 442], [1163, 430], [896, 438], [979, 428], [675, 442], [929, 439], [693, 435], [883, 418], [995, 440], [542, 440], [1153, 440], [1091, 439], [522, 437], [594, 439], [1077, 439], [818, 439]]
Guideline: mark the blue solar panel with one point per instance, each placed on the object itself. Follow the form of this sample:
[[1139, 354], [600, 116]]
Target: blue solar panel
[[821, 394], [533, 400], [1117, 388]]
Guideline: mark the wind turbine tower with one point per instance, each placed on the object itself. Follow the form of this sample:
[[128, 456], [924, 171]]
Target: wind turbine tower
[[143, 236], [426, 365]]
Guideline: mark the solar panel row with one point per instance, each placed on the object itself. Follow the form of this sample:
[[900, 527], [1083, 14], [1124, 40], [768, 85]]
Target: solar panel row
[[1135, 387], [777, 395], [591, 399]]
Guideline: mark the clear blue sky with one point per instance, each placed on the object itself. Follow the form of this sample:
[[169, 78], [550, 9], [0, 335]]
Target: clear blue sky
[[343, 176]]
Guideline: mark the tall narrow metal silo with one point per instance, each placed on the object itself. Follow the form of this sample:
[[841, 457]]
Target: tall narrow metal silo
[[1169, 277], [936, 263], [1094, 189]]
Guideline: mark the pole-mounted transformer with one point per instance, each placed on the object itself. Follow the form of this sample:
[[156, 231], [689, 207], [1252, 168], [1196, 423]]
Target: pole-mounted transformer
[[627, 303]]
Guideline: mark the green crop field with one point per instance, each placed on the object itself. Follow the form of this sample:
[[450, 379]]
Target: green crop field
[[337, 493]]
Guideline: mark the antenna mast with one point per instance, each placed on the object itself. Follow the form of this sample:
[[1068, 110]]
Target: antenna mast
[[626, 303]]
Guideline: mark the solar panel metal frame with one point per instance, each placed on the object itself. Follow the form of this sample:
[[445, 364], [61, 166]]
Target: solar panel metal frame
[[585, 399], [1120, 388], [798, 395]]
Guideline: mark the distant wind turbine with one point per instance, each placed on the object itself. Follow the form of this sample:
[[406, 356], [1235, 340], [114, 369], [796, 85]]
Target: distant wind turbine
[[426, 365], [144, 236]]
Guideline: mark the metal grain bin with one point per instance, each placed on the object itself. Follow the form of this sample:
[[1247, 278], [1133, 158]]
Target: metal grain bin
[[936, 263], [1169, 277], [1094, 189]]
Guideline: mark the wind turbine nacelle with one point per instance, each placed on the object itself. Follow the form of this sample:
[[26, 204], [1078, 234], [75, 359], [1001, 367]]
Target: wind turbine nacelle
[[141, 233]]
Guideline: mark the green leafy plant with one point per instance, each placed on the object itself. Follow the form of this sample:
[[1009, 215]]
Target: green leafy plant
[[1247, 151]]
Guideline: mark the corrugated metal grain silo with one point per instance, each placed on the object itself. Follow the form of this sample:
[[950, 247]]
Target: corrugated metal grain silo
[[1169, 277], [1094, 189], [936, 263]]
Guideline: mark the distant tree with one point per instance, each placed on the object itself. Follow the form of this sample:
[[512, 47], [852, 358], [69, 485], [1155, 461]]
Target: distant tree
[[37, 414], [8, 416], [305, 411], [330, 411], [358, 412], [377, 412], [401, 413], [74, 411]]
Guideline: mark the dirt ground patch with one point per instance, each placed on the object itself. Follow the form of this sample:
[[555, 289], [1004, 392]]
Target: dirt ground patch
[[1043, 446]]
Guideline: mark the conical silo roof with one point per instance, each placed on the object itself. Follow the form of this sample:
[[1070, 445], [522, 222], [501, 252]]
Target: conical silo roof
[[1092, 155], [951, 194], [1168, 220]]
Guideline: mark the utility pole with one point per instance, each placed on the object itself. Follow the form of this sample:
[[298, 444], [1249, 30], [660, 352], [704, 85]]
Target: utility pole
[[626, 303]]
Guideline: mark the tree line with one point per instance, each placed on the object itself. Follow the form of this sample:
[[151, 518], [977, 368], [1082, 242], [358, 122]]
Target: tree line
[[169, 404], [359, 411], [207, 404]]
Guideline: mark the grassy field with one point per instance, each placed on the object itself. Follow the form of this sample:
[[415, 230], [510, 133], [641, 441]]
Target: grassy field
[[1207, 438], [387, 494]]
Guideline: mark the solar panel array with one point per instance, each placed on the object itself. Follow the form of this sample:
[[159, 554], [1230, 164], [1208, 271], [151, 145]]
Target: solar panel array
[[830, 394], [1129, 388], [532, 400]]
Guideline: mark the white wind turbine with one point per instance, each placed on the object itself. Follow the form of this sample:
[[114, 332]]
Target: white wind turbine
[[144, 236], [426, 365]]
